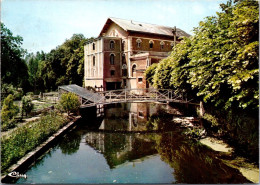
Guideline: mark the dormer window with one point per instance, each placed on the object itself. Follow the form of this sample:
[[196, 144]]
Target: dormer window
[[151, 44], [162, 45], [112, 44], [138, 42], [93, 45]]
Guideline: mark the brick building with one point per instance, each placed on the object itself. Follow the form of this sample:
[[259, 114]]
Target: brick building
[[123, 50]]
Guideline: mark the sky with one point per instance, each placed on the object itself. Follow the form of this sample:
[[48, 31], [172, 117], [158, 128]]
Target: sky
[[45, 24]]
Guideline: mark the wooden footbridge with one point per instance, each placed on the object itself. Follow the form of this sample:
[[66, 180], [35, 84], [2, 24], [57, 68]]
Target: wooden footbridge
[[89, 98]]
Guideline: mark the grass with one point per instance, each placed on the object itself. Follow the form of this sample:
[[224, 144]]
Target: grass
[[26, 138]]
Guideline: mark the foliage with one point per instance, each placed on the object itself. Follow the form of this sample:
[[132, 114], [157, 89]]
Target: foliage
[[27, 105], [9, 111], [7, 89], [161, 78], [13, 66], [219, 63], [26, 138], [69, 102], [63, 65], [149, 73]]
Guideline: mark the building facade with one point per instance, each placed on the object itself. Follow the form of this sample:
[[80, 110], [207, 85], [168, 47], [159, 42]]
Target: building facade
[[122, 52]]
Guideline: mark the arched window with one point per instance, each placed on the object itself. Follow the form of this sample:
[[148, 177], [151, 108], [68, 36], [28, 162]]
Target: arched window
[[138, 42], [123, 59], [94, 61], [162, 45], [134, 70], [124, 70], [151, 44], [123, 45], [93, 45], [112, 59], [112, 44]]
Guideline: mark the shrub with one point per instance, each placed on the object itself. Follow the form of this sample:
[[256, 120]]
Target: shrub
[[27, 105], [9, 111], [69, 102]]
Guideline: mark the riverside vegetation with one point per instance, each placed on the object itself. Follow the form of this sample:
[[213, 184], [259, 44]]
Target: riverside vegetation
[[219, 66], [26, 138]]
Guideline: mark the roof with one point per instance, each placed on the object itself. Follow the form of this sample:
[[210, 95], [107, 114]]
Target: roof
[[82, 92], [134, 26]]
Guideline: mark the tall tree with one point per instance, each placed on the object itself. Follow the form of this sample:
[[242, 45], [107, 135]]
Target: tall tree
[[13, 66], [220, 62]]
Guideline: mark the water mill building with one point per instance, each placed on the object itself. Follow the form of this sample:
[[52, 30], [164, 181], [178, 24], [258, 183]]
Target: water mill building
[[123, 50]]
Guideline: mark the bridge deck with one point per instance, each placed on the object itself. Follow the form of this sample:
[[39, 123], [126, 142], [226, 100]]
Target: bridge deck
[[89, 98]]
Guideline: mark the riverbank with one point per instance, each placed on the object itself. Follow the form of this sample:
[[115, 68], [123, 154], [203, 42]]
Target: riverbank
[[226, 152], [30, 141]]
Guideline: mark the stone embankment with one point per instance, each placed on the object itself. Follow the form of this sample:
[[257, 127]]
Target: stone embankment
[[29, 158]]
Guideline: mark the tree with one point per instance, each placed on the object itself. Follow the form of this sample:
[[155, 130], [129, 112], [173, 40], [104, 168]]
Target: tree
[[65, 64], [69, 102], [13, 66], [9, 111], [220, 62], [149, 73]]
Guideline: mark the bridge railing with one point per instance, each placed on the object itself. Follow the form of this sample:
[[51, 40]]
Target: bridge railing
[[139, 94]]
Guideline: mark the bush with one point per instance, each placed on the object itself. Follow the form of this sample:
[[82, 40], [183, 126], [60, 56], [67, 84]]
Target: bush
[[28, 137], [9, 111], [69, 102], [27, 105]]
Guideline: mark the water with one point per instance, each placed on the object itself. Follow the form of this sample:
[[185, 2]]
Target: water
[[132, 143]]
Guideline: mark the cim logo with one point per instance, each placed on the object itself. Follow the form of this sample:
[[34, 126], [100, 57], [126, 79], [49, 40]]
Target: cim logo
[[17, 175]]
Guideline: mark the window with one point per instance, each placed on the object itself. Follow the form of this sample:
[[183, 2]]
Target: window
[[123, 59], [140, 114], [134, 70], [162, 45], [138, 41], [151, 44], [93, 46], [112, 59], [112, 72], [124, 72], [140, 79], [123, 45], [94, 62], [112, 44]]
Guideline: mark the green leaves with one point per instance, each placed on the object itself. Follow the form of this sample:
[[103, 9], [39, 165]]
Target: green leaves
[[13, 67], [220, 62], [69, 102]]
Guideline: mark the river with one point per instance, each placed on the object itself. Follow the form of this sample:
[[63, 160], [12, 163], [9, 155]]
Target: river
[[131, 143]]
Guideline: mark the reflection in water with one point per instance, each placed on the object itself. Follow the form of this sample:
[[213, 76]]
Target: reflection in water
[[131, 143], [120, 148]]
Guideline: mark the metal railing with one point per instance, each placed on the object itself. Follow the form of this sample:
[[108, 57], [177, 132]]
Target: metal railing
[[130, 95]]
